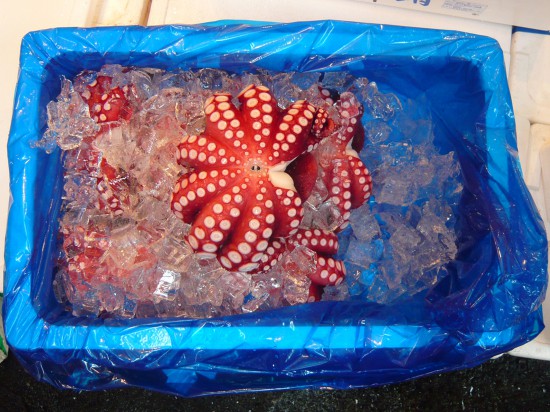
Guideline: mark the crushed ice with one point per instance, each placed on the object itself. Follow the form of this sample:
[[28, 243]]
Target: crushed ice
[[137, 264]]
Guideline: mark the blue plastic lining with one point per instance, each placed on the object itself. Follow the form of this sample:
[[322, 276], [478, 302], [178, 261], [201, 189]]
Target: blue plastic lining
[[489, 304]]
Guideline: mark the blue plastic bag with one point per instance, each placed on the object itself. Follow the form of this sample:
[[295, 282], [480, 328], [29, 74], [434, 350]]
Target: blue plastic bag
[[489, 303]]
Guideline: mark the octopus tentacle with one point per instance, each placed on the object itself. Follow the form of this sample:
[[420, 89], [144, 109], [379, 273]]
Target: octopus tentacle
[[321, 241], [261, 115], [329, 271], [251, 237], [361, 182], [345, 176], [224, 122], [288, 211], [294, 129], [206, 153], [214, 224], [194, 190]]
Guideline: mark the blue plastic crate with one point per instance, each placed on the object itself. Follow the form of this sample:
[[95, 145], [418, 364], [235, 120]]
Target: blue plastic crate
[[488, 304]]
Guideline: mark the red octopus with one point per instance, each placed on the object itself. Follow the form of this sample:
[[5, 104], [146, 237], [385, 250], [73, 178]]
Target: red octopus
[[236, 194], [328, 271], [348, 181], [107, 104]]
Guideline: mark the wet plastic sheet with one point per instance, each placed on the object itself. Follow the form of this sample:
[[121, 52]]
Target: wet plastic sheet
[[489, 303]]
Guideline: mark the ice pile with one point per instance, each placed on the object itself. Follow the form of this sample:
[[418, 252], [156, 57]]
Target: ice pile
[[403, 240], [135, 263], [69, 121]]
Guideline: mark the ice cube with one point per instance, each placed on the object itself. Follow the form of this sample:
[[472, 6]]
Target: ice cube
[[211, 79], [172, 252], [116, 72], [69, 121], [129, 306], [255, 301], [210, 288], [85, 302], [338, 80], [304, 80], [62, 287], [141, 283], [266, 290], [168, 285], [296, 289], [80, 191], [380, 105], [379, 291], [318, 195], [111, 299], [116, 147], [364, 224], [396, 189], [124, 250], [327, 216], [284, 90], [363, 253], [297, 266], [336, 293], [301, 262], [414, 123], [236, 286], [86, 159], [201, 281], [167, 80], [377, 131], [405, 237], [142, 87]]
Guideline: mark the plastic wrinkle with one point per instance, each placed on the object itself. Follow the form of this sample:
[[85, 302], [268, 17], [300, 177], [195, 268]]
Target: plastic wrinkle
[[489, 303]]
